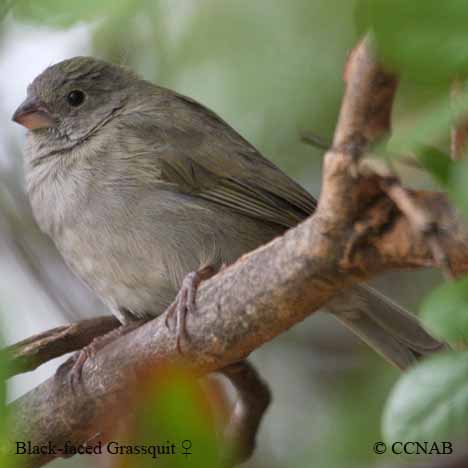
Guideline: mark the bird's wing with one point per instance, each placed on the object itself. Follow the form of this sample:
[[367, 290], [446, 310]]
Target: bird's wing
[[202, 155]]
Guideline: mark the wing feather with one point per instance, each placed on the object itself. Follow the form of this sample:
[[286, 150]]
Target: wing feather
[[204, 156]]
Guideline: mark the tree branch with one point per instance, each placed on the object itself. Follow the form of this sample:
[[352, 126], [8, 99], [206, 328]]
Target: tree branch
[[30, 353]]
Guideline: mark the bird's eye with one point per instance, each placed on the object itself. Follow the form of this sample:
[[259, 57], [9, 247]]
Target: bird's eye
[[75, 98]]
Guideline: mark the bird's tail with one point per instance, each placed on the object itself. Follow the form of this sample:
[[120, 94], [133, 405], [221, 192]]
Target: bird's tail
[[385, 326]]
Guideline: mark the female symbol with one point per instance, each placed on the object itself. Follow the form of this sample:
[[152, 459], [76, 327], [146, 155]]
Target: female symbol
[[186, 445]]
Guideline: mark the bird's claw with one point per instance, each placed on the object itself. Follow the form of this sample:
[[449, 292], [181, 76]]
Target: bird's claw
[[73, 368], [184, 304]]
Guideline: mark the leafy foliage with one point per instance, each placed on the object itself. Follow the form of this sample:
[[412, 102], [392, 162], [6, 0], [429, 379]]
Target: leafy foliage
[[65, 14], [426, 43], [445, 311], [437, 163], [174, 409], [429, 403], [425, 40]]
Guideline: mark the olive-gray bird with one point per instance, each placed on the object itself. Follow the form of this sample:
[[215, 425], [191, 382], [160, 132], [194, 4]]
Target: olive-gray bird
[[138, 186]]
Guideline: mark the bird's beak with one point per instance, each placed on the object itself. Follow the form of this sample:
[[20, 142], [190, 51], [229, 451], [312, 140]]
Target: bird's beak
[[33, 114]]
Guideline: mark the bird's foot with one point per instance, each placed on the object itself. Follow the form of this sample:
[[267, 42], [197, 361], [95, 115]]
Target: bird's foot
[[74, 366], [184, 303]]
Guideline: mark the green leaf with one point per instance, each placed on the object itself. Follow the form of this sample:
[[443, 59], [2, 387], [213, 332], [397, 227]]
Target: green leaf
[[426, 40], [445, 311], [436, 162], [458, 188], [5, 7], [432, 123], [64, 14], [430, 401], [174, 409]]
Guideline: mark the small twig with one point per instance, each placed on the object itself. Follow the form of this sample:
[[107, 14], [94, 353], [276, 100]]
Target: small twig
[[369, 225], [421, 220], [410, 162], [315, 140], [459, 134], [30, 353]]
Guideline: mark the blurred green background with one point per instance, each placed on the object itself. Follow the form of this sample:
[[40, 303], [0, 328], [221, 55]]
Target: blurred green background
[[272, 69]]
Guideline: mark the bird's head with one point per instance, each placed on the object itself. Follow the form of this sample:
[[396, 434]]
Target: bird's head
[[71, 100]]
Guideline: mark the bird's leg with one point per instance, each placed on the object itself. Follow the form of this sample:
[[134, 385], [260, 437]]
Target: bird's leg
[[184, 302], [253, 398], [73, 367]]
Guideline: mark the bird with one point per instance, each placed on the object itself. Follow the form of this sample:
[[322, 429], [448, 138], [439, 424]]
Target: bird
[[145, 192]]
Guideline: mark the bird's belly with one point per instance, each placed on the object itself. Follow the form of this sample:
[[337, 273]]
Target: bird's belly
[[136, 259], [121, 278]]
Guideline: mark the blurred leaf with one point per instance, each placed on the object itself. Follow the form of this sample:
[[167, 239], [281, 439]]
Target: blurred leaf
[[436, 162], [66, 13], [430, 401], [445, 311], [5, 6], [426, 40], [433, 122], [357, 402], [175, 410], [458, 188]]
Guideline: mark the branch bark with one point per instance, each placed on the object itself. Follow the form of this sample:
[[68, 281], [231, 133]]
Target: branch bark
[[30, 353], [356, 233], [459, 135]]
